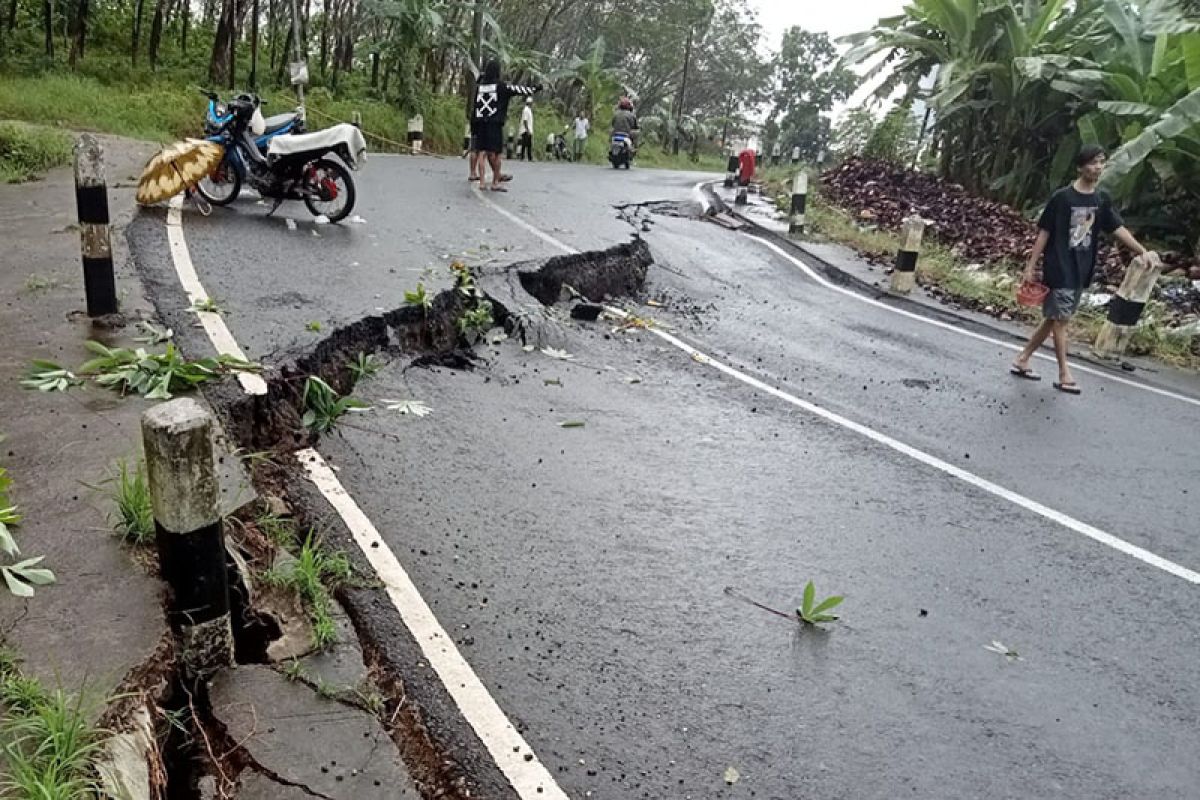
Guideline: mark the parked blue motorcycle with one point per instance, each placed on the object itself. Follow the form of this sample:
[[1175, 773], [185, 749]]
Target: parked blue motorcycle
[[278, 160]]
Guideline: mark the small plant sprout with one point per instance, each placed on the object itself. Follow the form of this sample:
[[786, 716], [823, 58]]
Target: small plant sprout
[[811, 612], [313, 576], [314, 326], [365, 366], [46, 376], [208, 304], [324, 406], [475, 322], [294, 671], [419, 298], [416, 408], [153, 334]]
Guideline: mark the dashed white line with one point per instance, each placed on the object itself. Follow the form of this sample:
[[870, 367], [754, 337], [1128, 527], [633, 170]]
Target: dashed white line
[[994, 489], [528, 776], [214, 324]]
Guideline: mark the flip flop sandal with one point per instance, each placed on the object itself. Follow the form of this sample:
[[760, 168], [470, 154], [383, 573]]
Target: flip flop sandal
[[499, 189], [472, 178], [504, 178], [1025, 373], [1067, 388]]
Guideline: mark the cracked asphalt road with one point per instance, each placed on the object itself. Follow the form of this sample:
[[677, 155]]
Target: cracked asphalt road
[[583, 570]]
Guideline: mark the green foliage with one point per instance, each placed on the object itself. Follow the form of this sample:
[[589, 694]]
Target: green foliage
[[156, 375], [894, 139], [27, 152], [22, 576], [9, 516], [281, 531], [811, 612], [207, 304], [132, 514], [809, 81], [46, 742], [313, 326], [46, 376], [477, 321], [324, 406]]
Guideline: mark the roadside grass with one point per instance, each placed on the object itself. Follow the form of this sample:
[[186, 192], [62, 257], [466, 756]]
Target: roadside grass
[[46, 741], [27, 152], [313, 576], [992, 285], [132, 513]]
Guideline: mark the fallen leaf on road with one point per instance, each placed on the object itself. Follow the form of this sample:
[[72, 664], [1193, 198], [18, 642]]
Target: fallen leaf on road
[[416, 408], [554, 352], [997, 647], [731, 775], [291, 224], [654, 303], [572, 423], [633, 379], [700, 358], [552, 381]]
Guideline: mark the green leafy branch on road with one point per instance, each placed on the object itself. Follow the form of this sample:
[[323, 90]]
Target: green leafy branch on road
[[154, 375], [478, 318], [365, 366], [419, 298], [21, 576]]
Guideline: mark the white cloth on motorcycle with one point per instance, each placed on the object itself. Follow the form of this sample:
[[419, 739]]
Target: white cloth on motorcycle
[[343, 134], [280, 121]]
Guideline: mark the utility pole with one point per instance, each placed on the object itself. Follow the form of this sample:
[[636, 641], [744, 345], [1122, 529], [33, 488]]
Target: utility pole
[[687, 60], [476, 55]]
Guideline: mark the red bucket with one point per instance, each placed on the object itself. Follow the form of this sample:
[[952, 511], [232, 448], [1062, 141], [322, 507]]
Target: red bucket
[[1032, 294]]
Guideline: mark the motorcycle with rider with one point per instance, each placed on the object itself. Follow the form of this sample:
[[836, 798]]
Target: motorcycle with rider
[[623, 146]]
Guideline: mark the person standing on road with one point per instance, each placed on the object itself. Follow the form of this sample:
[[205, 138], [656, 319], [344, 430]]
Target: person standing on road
[[491, 111], [1068, 239], [579, 144], [526, 150]]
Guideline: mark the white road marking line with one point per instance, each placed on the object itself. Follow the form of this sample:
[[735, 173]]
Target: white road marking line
[[504, 212], [214, 324], [528, 776], [807, 270], [995, 489]]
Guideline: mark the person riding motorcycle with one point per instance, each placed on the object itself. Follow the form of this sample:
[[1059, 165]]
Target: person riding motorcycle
[[625, 121]]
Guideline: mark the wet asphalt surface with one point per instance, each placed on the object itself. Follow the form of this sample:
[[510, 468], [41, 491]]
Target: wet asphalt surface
[[583, 570]]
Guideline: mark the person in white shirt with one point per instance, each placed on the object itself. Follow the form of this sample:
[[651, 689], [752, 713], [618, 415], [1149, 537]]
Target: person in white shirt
[[526, 149], [581, 131]]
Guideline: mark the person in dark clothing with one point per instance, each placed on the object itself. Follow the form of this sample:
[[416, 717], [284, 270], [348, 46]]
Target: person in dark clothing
[[625, 121], [487, 122], [1065, 249]]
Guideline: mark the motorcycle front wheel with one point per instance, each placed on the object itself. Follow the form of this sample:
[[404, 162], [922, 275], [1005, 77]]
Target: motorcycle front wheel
[[334, 188], [222, 187]]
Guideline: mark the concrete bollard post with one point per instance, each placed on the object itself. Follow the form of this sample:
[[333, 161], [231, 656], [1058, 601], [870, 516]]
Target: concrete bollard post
[[731, 170], [356, 119], [904, 276], [795, 156], [799, 202], [416, 133], [741, 198], [177, 437], [1125, 309], [467, 148], [509, 147], [91, 202]]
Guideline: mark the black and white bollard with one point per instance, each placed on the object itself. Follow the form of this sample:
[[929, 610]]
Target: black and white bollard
[[799, 202], [356, 119], [1126, 307], [731, 171], [509, 148], [741, 198], [795, 156], [904, 276], [91, 200], [177, 437], [467, 148], [416, 133]]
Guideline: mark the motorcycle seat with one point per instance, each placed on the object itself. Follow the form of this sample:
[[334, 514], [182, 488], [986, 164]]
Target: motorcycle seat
[[279, 122]]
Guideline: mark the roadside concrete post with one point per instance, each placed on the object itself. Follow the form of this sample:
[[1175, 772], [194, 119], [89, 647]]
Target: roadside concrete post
[[467, 140], [1125, 309], [416, 133], [799, 202], [904, 276], [356, 119], [91, 201], [742, 197], [177, 437], [731, 170]]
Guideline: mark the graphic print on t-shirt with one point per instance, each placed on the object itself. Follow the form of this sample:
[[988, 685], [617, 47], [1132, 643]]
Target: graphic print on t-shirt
[[486, 101], [1083, 220]]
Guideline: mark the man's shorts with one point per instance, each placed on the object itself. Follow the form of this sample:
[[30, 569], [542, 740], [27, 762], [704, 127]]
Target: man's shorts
[[489, 137], [1061, 304]]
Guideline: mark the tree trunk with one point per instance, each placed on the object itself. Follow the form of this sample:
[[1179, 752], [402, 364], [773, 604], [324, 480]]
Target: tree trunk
[[281, 67], [687, 59], [218, 63], [187, 21], [156, 29], [79, 32], [12, 15], [48, 19], [235, 21], [254, 47], [272, 35], [137, 30], [325, 39]]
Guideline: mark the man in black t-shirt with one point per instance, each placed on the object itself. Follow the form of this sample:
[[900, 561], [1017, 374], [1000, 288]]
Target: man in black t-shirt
[[1069, 235]]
